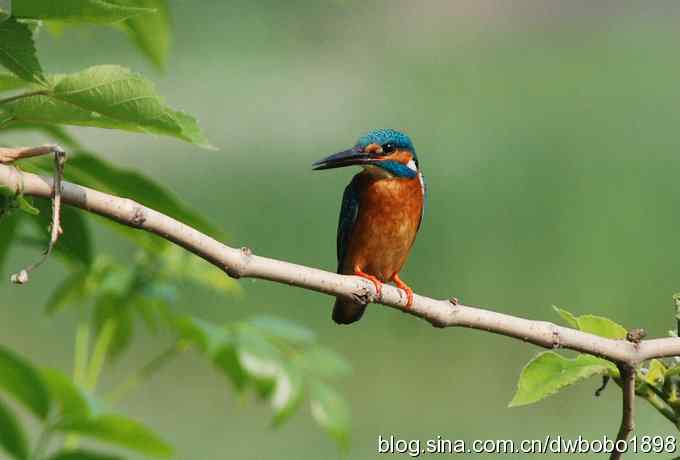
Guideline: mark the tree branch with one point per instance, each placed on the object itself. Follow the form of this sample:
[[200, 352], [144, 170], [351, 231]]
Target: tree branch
[[243, 263], [627, 411]]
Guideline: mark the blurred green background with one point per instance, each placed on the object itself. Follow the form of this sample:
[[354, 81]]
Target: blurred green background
[[548, 132]]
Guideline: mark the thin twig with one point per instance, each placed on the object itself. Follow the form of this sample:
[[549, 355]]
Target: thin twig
[[627, 412], [600, 389], [55, 227], [658, 403], [11, 154]]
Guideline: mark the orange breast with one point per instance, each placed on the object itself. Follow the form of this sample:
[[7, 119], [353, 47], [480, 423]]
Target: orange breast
[[386, 226]]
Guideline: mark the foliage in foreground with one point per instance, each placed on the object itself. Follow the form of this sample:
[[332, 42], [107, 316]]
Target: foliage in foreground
[[280, 362], [549, 372]]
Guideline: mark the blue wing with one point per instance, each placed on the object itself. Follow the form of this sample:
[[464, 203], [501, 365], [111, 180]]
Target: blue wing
[[348, 217]]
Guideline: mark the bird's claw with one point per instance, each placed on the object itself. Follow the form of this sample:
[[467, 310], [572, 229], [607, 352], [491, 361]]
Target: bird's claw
[[409, 296], [378, 289], [404, 287], [376, 283]]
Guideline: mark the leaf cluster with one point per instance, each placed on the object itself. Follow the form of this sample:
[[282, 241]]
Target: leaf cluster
[[64, 408], [280, 362], [658, 381]]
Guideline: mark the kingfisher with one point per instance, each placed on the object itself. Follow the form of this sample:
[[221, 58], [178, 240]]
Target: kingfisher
[[382, 209]]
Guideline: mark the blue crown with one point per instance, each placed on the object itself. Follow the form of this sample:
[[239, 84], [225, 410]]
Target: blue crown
[[384, 136]]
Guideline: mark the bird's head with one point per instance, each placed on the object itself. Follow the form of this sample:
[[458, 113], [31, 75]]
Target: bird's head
[[382, 152]]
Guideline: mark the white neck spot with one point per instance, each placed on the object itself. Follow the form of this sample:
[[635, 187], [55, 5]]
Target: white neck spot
[[412, 165]]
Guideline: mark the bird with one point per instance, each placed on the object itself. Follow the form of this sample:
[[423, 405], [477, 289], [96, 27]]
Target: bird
[[381, 213]]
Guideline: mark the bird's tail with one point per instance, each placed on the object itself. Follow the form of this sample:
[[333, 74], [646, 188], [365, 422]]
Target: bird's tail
[[346, 312]]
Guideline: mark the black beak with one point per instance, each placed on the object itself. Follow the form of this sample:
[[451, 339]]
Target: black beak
[[350, 157]]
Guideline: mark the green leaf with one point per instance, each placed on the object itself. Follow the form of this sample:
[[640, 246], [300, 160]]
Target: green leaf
[[226, 360], [114, 297], [287, 394], [259, 358], [22, 381], [191, 132], [323, 362], [17, 51], [283, 329], [656, 373], [151, 32], [12, 437], [9, 82], [567, 316], [116, 309], [549, 372], [601, 326], [34, 25], [117, 281], [90, 170], [120, 431], [114, 92], [252, 342], [88, 283], [26, 204], [119, 94], [45, 109], [73, 403], [75, 244], [107, 96], [70, 291], [154, 301], [5, 117], [180, 265], [593, 324], [82, 455], [92, 11], [331, 411], [209, 337]]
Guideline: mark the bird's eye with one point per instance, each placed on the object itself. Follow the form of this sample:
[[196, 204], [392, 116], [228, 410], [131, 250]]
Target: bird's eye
[[388, 148]]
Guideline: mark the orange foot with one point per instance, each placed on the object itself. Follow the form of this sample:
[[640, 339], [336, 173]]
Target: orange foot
[[401, 285], [376, 282]]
